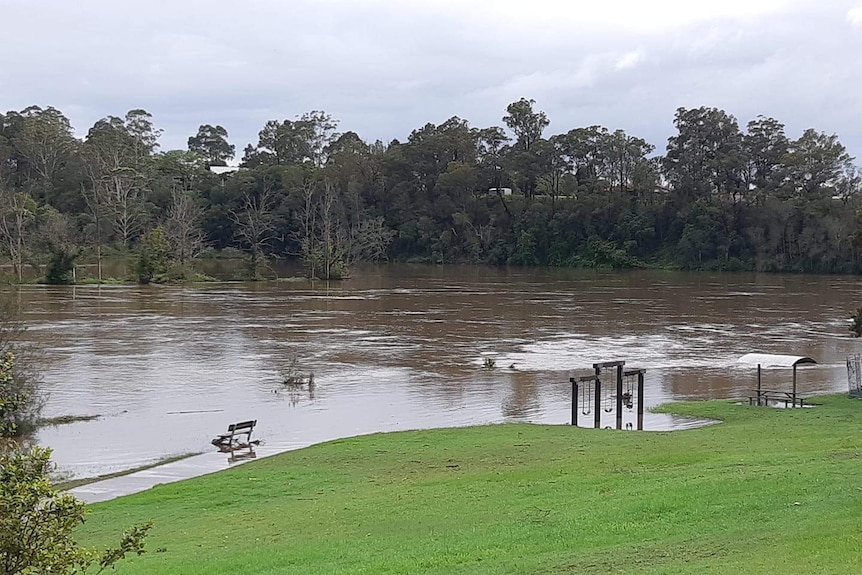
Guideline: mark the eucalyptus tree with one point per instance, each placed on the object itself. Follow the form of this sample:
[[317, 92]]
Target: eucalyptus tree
[[490, 143], [254, 221], [815, 163], [353, 168], [177, 175], [46, 143], [117, 156], [427, 154], [585, 150], [528, 126], [526, 123], [321, 130], [211, 143], [145, 136], [706, 159], [337, 221], [12, 164], [767, 146], [304, 139], [554, 164], [17, 218], [624, 159]]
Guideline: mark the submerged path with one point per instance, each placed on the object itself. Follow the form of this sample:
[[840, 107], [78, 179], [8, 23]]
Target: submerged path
[[194, 466]]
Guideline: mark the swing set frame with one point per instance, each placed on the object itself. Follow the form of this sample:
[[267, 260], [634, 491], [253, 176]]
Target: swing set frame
[[594, 391]]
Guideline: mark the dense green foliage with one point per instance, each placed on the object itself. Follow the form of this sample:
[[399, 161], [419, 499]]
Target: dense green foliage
[[767, 491], [20, 397], [154, 258], [37, 522], [721, 197], [12, 399]]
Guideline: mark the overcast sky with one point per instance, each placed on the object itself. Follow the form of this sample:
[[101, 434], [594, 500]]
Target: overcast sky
[[386, 67]]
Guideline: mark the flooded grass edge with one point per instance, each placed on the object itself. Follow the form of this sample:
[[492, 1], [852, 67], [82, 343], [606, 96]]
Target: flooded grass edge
[[73, 483], [65, 420]]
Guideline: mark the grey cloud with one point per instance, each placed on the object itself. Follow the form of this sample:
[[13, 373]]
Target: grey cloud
[[385, 68]]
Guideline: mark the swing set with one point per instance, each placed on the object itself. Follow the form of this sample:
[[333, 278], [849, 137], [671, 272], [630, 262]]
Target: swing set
[[589, 396]]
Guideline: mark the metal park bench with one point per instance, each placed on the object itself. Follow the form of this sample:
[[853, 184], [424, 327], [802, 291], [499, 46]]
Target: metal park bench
[[234, 432]]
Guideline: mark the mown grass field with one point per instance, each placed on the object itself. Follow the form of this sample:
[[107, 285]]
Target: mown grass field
[[767, 491]]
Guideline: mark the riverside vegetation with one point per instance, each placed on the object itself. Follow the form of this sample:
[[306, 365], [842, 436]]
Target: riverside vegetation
[[36, 520], [765, 491], [719, 197]]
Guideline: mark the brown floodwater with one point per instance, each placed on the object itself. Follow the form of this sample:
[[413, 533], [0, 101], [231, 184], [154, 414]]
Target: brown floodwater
[[402, 347]]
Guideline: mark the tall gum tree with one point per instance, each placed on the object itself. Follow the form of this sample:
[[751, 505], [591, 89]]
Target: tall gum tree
[[528, 126], [45, 140], [117, 154], [211, 143]]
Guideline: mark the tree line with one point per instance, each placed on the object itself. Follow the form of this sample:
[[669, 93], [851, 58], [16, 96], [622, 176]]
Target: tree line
[[720, 197]]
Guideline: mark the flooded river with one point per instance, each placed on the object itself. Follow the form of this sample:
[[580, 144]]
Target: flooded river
[[403, 347]]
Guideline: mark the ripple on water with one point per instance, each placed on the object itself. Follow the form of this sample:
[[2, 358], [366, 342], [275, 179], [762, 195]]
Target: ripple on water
[[651, 351]]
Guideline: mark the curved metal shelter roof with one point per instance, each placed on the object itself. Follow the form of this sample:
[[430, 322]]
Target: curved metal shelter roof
[[774, 360]]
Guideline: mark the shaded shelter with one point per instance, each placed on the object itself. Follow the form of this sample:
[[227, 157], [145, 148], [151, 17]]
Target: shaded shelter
[[775, 360]]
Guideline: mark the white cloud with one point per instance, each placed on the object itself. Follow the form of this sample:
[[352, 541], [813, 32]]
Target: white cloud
[[638, 15], [630, 59], [855, 15]]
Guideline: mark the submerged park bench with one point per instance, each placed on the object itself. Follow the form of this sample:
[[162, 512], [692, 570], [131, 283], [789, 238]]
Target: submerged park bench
[[234, 432], [762, 396], [765, 396]]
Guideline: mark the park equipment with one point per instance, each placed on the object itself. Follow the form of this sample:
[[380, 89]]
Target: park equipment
[[854, 375], [767, 396], [587, 391]]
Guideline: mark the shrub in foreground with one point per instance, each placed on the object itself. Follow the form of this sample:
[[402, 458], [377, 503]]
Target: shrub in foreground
[[37, 521]]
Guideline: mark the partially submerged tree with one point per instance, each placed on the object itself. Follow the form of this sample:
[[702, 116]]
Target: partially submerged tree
[[856, 326], [37, 522], [20, 396], [183, 226], [255, 227], [116, 153], [11, 399], [54, 239], [154, 258], [17, 210]]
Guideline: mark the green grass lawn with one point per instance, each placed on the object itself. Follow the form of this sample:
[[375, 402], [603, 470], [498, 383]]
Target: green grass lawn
[[767, 491]]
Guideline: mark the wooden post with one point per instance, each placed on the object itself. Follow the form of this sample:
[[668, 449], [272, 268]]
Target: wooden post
[[641, 401], [574, 401], [597, 420], [794, 385], [619, 397], [758, 384], [597, 368]]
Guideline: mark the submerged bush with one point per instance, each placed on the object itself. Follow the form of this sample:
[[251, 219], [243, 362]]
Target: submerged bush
[[61, 266], [154, 259], [20, 396], [856, 326]]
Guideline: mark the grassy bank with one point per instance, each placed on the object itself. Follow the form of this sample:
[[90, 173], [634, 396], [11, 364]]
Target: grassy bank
[[768, 491]]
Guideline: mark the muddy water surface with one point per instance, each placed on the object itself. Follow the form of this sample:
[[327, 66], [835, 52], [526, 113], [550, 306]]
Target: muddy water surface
[[402, 347]]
